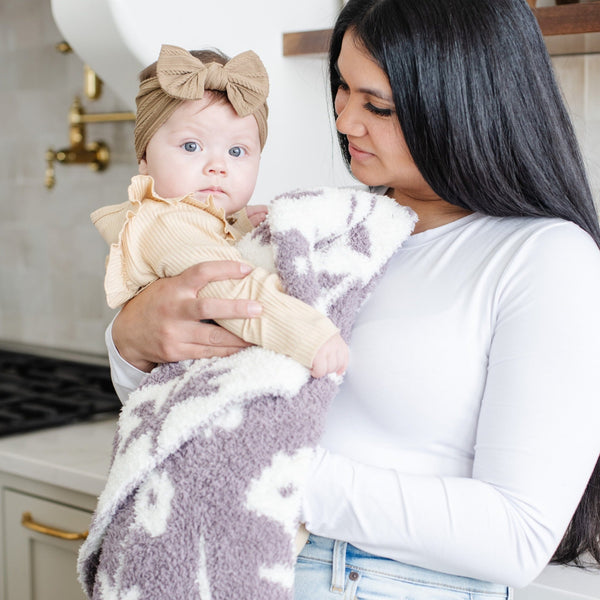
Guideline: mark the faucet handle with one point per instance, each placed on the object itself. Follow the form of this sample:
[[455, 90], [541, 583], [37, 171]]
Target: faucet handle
[[49, 179], [101, 156]]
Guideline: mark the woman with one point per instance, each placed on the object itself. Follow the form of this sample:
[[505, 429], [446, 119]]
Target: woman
[[466, 430]]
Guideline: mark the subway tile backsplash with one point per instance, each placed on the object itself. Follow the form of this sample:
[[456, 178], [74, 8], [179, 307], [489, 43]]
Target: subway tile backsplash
[[51, 258]]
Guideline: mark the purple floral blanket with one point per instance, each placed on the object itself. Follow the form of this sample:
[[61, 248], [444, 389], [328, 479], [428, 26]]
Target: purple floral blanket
[[202, 500]]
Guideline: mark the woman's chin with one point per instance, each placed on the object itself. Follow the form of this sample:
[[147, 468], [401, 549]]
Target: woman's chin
[[364, 175]]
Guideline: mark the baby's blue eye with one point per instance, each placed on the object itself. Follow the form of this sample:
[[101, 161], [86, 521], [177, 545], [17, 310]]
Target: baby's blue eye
[[191, 146], [236, 151]]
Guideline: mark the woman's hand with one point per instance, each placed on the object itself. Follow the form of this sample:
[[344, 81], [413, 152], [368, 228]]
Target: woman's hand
[[163, 322]]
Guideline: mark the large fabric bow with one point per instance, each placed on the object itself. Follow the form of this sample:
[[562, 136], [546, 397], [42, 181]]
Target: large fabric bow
[[181, 76], [243, 78]]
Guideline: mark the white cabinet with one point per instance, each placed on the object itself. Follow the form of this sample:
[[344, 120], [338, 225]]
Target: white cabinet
[[41, 529]]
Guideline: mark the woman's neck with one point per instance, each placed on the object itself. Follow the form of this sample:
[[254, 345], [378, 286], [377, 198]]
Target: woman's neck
[[432, 213]]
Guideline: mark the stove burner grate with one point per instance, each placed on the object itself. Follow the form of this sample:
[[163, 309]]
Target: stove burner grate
[[38, 392]]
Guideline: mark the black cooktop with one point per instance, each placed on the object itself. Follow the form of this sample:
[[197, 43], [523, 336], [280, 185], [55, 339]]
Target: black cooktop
[[39, 391]]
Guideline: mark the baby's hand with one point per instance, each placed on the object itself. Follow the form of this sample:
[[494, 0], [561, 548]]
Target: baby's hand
[[257, 213], [331, 357]]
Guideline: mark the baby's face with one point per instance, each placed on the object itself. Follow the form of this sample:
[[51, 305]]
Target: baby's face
[[205, 149]]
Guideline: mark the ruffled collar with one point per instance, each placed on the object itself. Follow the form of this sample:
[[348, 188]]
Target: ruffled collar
[[142, 187]]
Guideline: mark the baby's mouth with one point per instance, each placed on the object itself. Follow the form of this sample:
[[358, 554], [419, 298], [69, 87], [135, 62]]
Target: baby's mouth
[[211, 190]]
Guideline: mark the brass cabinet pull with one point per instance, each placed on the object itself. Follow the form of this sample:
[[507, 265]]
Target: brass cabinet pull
[[27, 521]]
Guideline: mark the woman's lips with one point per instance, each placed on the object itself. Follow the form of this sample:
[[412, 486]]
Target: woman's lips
[[357, 153]]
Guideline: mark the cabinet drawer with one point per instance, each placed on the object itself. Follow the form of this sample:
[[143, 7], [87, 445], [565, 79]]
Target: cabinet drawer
[[41, 554]]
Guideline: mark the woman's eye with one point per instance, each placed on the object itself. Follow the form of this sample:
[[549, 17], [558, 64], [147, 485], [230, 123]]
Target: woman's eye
[[191, 147], [236, 151], [380, 112]]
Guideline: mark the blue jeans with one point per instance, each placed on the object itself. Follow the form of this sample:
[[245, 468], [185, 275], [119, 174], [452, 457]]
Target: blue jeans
[[333, 570]]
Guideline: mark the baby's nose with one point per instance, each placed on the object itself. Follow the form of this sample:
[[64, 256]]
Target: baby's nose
[[216, 166]]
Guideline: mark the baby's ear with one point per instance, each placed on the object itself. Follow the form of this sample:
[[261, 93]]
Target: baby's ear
[[143, 167]]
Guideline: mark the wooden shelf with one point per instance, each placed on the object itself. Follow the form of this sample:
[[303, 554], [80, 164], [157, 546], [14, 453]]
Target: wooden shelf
[[553, 20], [569, 18], [306, 42]]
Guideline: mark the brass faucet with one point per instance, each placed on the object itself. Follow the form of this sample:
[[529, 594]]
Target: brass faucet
[[94, 154]]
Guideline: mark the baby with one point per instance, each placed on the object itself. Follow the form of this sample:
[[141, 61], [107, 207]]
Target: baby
[[204, 494], [200, 128]]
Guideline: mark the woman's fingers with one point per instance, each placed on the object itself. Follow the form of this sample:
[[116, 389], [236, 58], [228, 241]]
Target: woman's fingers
[[197, 276], [163, 323], [212, 337], [215, 308]]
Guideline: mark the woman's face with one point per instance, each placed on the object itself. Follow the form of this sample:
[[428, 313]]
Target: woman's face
[[366, 116]]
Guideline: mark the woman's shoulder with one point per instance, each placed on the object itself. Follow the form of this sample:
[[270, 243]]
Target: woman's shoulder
[[546, 234], [550, 252], [533, 232], [530, 249]]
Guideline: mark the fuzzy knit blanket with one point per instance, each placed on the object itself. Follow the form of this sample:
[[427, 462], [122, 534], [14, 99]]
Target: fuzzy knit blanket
[[202, 500]]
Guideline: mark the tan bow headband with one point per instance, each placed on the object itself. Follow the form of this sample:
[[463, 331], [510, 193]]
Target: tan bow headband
[[181, 76]]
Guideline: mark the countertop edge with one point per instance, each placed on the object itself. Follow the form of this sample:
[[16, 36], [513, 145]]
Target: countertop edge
[[76, 457]]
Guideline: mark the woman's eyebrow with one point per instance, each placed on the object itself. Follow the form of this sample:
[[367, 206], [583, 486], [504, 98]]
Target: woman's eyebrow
[[365, 90], [376, 93]]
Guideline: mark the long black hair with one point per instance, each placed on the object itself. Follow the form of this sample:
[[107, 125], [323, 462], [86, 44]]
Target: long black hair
[[485, 123], [477, 102]]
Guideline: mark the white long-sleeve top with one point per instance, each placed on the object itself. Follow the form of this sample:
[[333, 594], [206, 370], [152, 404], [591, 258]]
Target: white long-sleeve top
[[468, 423]]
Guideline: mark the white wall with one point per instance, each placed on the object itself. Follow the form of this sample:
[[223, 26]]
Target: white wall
[[51, 257]]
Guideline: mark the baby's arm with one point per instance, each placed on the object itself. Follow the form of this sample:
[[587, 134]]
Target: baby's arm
[[286, 325], [177, 237], [332, 356]]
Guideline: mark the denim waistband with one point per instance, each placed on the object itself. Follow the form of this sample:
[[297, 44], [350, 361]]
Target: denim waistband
[[342, 556]]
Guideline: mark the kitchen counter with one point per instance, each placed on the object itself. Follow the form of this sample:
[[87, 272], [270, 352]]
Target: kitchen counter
[[75, 457]]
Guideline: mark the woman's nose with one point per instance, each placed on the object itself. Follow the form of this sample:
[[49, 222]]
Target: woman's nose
[[348, 120]]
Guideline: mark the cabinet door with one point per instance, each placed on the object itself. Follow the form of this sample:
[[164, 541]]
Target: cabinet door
[[40, 563]]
